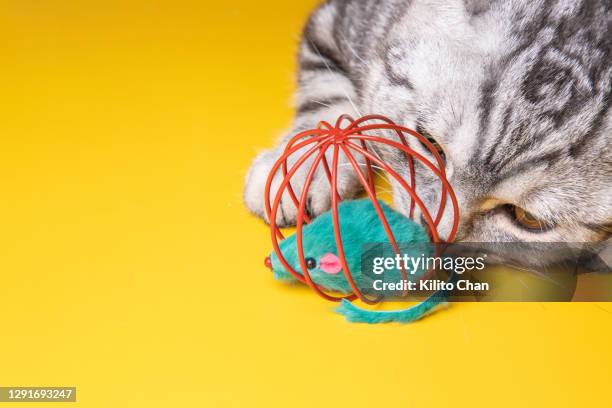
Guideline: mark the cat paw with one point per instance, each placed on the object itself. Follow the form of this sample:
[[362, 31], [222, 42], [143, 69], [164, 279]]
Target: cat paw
[[318, 198]]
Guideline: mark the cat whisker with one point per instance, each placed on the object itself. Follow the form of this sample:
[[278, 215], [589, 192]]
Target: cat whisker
[[321, 103], [314, 47], [350, 47], [537, 273]]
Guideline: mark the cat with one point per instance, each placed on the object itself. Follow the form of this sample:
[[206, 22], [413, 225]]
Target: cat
[[515, 94]]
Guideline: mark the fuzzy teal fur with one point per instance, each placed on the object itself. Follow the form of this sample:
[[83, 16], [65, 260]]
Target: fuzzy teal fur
[[359, 226], [356, 314]]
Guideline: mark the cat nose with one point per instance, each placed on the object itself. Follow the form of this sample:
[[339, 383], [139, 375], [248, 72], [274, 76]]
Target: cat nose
[[268, 262]]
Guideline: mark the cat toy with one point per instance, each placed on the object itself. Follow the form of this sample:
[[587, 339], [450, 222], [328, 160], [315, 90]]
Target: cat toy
[[325, 252]]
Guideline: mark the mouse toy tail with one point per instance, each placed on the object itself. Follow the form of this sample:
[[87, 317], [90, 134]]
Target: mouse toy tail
[[356, 314]]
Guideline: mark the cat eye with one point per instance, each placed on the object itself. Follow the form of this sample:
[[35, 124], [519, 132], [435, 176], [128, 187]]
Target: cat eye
[[527, 220], [433, 141]]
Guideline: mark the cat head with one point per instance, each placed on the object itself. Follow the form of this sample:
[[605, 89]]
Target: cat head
[[517, 99]]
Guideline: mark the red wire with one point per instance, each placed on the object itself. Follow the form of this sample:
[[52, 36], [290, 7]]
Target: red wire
[[441, 175], [300, 223], [321, 139], [379, 211], [276, 233], [403, 139]]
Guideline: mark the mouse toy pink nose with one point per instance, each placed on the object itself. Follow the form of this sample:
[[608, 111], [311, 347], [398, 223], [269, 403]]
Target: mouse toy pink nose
[[330, 263], [268, 262]]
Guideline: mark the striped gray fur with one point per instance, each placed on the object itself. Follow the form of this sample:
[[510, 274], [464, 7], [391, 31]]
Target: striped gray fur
[[516, 92]]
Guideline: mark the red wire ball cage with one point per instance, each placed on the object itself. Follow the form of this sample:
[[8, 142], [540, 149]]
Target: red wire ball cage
[[351, 139]]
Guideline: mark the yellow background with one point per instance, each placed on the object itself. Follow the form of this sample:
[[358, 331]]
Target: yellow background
[[131, 270]]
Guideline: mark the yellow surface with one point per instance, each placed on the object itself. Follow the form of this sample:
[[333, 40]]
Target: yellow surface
[[131, 270]]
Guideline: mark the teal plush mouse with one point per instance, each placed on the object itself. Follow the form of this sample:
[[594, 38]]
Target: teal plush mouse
[[360, 226]]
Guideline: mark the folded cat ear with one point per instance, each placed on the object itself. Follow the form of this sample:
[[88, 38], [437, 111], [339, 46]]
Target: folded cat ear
[[330, 263]]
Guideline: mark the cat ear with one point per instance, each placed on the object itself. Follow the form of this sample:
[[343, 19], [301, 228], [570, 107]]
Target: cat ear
[[330, 263]]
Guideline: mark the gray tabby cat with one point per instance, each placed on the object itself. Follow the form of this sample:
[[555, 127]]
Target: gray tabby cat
[[516, 94]]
